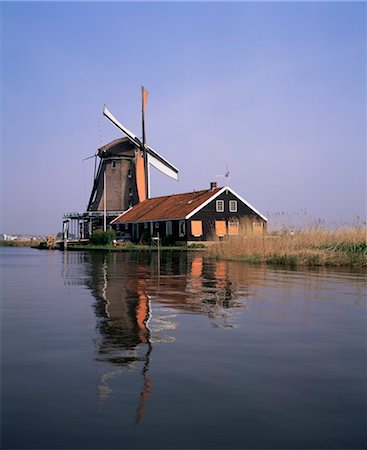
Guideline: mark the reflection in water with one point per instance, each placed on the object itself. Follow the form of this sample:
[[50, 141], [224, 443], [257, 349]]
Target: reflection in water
[[137, 307], [124, 286], [210, 354]]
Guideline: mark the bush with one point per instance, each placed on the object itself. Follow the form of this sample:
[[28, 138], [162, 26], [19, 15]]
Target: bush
[[102, 237], [146, 239], [168, 240]]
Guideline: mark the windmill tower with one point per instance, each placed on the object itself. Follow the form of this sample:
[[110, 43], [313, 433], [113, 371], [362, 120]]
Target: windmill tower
[[122, 178]]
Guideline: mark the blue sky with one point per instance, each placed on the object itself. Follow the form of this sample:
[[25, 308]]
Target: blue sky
[[276, 91]]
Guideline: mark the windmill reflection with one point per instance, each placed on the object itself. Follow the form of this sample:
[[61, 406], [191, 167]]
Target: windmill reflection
[[125, 285]]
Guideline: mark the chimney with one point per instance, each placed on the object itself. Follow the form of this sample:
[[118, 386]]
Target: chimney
[[213, 185]]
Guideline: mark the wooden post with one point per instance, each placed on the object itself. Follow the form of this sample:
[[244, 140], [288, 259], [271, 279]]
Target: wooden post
[[159, 256], [65, 233], [104, 201]]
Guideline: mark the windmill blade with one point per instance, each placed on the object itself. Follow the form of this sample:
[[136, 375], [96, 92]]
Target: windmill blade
[[119, 125], [90, 157], [162, 164], [95, 167]]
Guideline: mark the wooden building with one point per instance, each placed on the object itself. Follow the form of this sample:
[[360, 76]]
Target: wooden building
[[190, 217]]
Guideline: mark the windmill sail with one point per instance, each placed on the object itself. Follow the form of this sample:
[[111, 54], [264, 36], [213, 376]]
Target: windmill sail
[[154, 158], [119, 125], [161, 164]]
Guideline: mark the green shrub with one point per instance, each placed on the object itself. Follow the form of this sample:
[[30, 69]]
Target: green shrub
[[146, 239], [196, 246], [282, 260], [313, 260], [102, 237], [168, 240]]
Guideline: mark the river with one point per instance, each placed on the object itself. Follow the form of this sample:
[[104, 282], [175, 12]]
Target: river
[[111, 351]]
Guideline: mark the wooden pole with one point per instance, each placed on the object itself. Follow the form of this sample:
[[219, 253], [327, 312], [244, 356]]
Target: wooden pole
[[144, 139], [159, 256], [104, 201]]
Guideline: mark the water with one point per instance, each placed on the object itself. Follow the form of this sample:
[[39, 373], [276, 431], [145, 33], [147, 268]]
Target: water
[[99, 351]]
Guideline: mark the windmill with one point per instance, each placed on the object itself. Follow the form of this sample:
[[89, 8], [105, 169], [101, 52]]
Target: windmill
[[122, 177]]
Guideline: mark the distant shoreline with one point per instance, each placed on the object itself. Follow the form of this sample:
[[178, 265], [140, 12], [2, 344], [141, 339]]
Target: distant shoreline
[[19, 243]]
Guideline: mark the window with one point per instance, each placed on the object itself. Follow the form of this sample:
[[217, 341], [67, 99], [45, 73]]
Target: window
[[220, 228], [219, 207], [130, 192], [168, 228], [113, 164], [233, 228], [196, 228], [156, 224], [145, 225], [181, 228], [257, 227], [233, 206], [126, 226], [129, 173]]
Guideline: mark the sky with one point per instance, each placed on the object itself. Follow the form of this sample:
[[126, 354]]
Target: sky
[[275, 91]]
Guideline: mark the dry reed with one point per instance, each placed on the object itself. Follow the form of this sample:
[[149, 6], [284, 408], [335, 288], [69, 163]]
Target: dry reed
[[313, 245]]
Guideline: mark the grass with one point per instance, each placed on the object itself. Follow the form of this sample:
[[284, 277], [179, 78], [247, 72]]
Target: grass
[[135, 247], [18, 243], [310, 246]]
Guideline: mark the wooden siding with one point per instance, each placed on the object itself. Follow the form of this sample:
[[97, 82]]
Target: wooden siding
[[118, 186], [209, 211], [136, 231], [208, 215]]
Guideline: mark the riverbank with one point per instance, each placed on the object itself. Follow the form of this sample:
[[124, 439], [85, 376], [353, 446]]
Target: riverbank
[[308, 247], [136, 248]]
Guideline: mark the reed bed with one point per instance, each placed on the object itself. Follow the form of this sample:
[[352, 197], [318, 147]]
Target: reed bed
[[313, 245]]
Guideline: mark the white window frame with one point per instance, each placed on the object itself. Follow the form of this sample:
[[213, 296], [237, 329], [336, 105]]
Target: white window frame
[[181, 228], [233, 206], [219, 208], [169, 227]]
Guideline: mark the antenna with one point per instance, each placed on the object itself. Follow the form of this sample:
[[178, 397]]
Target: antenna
[[100, 132], [225, 175]]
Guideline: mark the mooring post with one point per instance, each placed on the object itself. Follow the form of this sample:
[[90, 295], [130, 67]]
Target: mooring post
[[159, 256], [66, 224]]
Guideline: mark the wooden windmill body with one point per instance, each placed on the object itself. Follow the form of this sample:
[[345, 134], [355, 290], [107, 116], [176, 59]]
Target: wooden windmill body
[[118, 178]]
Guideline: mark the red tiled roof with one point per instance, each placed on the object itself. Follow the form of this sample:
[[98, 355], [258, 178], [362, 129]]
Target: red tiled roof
[[176, 206]]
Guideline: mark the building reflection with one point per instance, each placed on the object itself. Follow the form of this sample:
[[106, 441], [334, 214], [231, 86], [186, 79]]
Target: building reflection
[[126, 285]]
